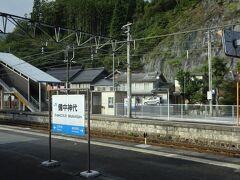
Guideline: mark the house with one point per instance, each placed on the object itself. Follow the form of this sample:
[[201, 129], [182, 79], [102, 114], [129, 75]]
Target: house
[[145, 85], [62, 74], [86, 78]]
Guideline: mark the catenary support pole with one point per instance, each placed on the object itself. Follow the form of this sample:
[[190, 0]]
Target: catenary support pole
[[210, 71], [113, 76], [129, 83]]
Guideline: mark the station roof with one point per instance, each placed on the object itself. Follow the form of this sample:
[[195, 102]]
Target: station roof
[[26, 69]]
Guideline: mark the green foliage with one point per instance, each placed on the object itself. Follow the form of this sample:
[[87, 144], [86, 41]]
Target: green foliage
[[174, 62], [190, 86], [228, 93], [36, 12], [219, 71], [238, 66]]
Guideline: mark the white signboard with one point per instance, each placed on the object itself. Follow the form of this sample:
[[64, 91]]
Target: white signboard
[[68, 114], [209, 95]]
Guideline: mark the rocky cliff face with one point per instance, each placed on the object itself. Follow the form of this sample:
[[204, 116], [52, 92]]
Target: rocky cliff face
[[189, 50]]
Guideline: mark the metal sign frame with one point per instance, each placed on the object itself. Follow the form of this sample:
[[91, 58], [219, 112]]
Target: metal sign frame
[[68, 114], [50, 162]]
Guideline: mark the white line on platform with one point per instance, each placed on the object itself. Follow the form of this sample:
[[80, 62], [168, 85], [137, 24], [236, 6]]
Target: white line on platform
[[140, 150]]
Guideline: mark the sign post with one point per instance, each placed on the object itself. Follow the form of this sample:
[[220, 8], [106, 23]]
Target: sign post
[[67, 116], [50, 162], [89, 173]]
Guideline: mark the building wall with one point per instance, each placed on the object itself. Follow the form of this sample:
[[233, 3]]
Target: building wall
[[82, 85], [103, 88], [138, 87], [108, 103]]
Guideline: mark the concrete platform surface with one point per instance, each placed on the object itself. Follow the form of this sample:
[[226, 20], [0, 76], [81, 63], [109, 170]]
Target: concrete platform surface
[[22, 151]]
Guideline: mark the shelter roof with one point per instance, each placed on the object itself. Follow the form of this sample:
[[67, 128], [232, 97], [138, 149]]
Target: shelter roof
[[28, 70]]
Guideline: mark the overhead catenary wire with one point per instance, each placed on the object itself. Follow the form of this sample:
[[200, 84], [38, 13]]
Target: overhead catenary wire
[[147, 38]]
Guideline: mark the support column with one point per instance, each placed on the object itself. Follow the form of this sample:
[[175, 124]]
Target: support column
[[2, 98], [91, 100], [40, 97], [19, 105], [28, 90], [10, 101]]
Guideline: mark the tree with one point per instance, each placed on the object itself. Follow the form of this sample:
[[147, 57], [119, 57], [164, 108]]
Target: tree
[[190, 86], [36, 12], [119, 19], [219, 70]]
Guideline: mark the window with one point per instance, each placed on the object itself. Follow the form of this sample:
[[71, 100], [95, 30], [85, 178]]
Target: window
[[110, 102]]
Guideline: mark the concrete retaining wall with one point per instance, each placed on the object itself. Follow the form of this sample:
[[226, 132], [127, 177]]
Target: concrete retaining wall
[[204, 135]]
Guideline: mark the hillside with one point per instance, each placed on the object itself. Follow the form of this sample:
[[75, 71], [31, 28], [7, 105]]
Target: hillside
[[186, 51], [167, 54]]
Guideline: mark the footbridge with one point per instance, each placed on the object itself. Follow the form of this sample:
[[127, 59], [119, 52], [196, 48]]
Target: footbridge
[[22, 84]]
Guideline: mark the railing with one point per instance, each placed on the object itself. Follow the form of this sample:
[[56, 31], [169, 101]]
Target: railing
[[221, 114], [34, 102]]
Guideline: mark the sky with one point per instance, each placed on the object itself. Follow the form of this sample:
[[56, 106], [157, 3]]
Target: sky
[[15, 7]]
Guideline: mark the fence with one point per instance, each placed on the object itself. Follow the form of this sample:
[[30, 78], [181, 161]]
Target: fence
[[221, 114]]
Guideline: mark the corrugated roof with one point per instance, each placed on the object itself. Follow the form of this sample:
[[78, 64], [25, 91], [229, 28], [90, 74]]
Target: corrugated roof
[[88, 75], [61, 73], [26, 69]]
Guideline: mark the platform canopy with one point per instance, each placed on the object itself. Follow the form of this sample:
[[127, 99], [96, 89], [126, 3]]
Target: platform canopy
[[26, 69]]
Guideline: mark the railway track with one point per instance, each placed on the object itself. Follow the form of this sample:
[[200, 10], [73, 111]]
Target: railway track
[[127, 138]]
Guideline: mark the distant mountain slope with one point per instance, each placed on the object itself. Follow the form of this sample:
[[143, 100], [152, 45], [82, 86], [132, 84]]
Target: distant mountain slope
[[159, 17]]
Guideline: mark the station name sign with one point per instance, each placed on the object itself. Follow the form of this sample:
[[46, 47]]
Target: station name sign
[[68, 114]]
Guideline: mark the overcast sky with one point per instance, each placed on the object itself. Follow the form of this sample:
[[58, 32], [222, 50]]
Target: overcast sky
[[15, 7]]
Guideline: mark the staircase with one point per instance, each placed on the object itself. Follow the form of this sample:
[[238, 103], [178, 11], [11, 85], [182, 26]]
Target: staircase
[[19, 96]]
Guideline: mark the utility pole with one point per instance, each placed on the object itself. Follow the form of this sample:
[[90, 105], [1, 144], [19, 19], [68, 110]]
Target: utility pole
[[210, 72], [129, 84], [67, 61], [113, 65]]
